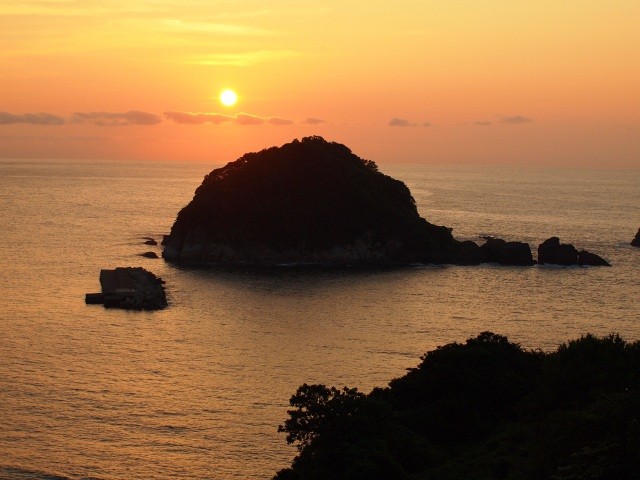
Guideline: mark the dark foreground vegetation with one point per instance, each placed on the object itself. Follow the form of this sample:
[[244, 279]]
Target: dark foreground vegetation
[[485, 409]]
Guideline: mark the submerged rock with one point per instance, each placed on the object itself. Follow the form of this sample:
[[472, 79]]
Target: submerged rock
[[551, 251], [496, 250], [149, 255], [636, 241], [309, 201]]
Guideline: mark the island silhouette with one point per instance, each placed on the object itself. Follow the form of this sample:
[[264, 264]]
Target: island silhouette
[[312, 201], [308, 201]]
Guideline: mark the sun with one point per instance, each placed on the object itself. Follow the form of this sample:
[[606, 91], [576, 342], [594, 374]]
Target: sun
[[228, 97]]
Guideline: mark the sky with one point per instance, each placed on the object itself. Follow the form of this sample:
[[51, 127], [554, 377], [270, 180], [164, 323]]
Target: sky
[[487, 82]]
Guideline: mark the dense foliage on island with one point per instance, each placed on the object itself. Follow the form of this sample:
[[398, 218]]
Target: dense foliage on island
[[308, 201], [485, 409]]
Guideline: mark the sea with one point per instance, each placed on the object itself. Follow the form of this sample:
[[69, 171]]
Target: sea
[[197, 391]]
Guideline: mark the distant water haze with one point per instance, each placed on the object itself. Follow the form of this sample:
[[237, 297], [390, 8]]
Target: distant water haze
[[198, 390]]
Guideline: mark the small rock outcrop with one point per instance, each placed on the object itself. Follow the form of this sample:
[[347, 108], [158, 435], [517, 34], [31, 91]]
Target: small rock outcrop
[[552, 252], [636, 241], [308, 201], [130, 288], [591, 259], [149, 255], [150, 242], [496, 250]]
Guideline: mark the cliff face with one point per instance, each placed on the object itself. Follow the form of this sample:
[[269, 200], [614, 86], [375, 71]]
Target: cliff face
[[309, 201]]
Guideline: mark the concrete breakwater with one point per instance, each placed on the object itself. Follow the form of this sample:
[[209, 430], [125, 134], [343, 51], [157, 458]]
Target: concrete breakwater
[[130, 288]]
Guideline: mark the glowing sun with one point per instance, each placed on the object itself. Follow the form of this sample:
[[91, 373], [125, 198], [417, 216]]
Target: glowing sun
[[228, 97]]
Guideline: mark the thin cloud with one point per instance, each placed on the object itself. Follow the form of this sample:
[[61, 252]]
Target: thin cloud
[[214, 27], [247, 119], [280, 13], [279, 121], [482, 123], [7, 118], [242, 59], [51, 138], [313, 121], [116, 119], [515, 119], [402, 122], [188, 118], [191, 118]]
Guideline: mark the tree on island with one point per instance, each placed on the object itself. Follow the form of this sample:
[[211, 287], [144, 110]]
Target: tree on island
[[485, 409]]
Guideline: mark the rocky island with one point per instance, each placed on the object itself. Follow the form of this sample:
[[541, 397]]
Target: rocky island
[[553, 252], [308, 202], [315, 202]]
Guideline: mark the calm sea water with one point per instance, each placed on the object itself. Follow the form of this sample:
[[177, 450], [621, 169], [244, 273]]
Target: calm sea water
[[198, 390]]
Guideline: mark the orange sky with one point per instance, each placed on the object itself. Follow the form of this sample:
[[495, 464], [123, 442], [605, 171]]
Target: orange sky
[[463, 81]]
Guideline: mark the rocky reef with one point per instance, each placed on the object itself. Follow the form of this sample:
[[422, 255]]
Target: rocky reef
[[496, 250], [551, 251], [308, 201]]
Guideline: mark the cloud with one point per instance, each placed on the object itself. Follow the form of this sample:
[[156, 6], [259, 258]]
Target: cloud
[[136, 117], [112, 119], [51, 138], [188, 118], [7, 118], [399, 122], [247, 119], [313, 121], [482, 123], [515, 119], [279, 121]]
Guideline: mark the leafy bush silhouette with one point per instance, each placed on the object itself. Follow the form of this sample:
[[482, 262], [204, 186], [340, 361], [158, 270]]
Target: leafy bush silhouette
[[316, 407], [584, 368], [474, 386]]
